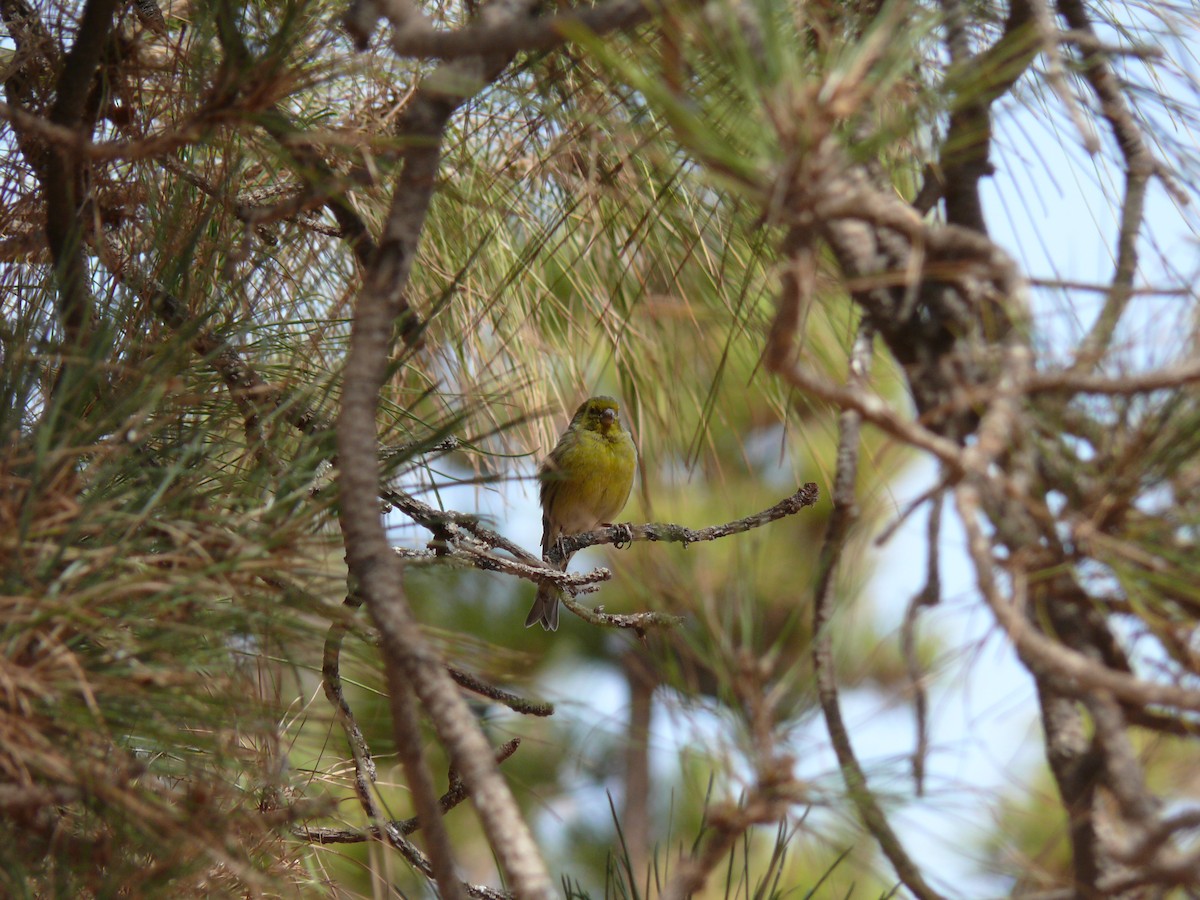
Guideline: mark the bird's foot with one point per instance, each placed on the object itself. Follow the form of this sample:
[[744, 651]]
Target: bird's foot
[[561, 546], [624, 535]]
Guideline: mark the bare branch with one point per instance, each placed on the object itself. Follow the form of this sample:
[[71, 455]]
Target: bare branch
[[804, 497], [410, 662], [1074, 382], [1051, 39], [455, 794], [477, 685], [459, 535], [876, 411], [639, 622], [980, 80], [1140, 165], [331, 682], [1073, 671], [448, 525], [929, 595], [845, 510], [62, 174], [394, 833]]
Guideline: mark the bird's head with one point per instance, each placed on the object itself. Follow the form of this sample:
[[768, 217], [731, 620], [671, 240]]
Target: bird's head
[[600, 414]]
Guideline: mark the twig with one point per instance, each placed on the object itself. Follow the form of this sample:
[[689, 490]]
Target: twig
[[1125, 778], [1089, 40], [876, 411], [845, 510], [1096, 288], [1051, 39], [1075, 673], [480, 558], [455, 794], [1140, 165], [477, 685], [931, 493], [364, 765], [622, 534], [331, 682], [1074, 382], [639, 622], [459, 537], [929, 595], [1140, 852], [413, 448], [796, 291], [805, 496], [445, 524]]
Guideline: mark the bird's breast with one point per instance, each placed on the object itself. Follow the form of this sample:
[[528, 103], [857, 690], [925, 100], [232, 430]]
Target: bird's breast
[[586, 501]]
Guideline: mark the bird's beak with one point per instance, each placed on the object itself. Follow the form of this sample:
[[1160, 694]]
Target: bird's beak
[[609, 416]]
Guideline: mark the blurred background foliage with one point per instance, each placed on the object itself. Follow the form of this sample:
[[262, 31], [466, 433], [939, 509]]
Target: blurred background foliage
[[170, 564]]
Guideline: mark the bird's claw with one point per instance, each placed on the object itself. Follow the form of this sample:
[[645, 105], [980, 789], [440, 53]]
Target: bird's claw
[[624, 535]]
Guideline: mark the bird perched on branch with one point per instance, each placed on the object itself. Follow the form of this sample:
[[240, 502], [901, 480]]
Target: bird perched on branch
[[585, 481]]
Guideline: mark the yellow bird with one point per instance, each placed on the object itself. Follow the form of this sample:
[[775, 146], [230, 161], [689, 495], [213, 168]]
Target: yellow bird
[[586, 481]]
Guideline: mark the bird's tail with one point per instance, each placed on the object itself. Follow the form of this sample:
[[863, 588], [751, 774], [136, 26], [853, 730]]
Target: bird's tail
[[545, 609], [545, 606]]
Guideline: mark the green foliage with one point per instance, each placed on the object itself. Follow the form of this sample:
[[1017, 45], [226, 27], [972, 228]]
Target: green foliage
[[156, 568]]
